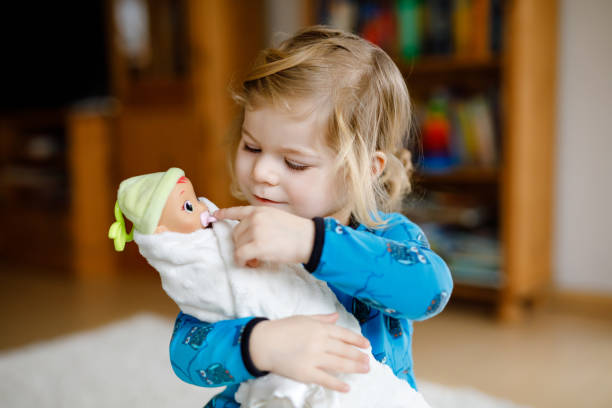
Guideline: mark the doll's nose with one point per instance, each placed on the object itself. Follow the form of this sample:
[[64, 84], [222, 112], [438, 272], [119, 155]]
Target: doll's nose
[[206, 219]]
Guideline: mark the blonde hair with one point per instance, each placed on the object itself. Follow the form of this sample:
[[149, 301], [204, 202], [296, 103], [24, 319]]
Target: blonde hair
[[368, 109]]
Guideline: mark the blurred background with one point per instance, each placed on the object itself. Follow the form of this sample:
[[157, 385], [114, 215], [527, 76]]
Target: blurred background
[[510, 149]]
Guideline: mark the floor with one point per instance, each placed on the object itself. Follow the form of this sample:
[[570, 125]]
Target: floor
[[556, 357]]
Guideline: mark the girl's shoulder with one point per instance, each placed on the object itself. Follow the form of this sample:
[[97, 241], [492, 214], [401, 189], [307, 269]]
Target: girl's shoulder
[[400, 228]]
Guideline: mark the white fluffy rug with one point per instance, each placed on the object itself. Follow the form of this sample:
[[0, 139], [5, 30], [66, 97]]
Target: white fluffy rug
[[126, 364]]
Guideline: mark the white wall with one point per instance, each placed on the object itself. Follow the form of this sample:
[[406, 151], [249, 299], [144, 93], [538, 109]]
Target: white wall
[[583, 244]]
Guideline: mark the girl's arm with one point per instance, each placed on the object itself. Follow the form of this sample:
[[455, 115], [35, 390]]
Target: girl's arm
[[211, 354], [304, 348], [393, 270]]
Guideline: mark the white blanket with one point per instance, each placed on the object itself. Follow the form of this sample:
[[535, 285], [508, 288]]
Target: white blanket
[[198, 272]]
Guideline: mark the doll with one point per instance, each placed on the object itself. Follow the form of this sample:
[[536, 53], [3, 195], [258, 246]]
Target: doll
[[193, 253]]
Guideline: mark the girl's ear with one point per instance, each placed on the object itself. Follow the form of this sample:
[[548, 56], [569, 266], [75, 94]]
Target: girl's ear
[[160, 229], [378, 163]]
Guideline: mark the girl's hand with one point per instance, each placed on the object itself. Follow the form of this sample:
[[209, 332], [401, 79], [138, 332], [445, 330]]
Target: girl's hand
[[308, 349], [269, 234]]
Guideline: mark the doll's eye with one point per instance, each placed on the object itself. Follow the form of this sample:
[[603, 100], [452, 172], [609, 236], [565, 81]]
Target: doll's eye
[[187, 206]]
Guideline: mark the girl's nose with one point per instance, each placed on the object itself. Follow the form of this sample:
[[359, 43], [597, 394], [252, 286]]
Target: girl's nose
[[264, 171]]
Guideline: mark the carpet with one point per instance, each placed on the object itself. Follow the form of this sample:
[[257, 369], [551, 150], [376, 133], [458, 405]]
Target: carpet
[[126, 364]]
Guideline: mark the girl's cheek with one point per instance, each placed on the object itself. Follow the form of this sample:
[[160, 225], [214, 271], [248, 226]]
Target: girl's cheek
[[241, 166]]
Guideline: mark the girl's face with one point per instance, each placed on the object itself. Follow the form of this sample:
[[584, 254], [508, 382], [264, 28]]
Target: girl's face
[[283, 161]]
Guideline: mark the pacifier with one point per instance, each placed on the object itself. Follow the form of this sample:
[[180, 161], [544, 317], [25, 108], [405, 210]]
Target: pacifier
[[206, 219]]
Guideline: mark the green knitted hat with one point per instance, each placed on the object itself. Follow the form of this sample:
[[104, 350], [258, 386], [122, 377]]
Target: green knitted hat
[[142, 200]]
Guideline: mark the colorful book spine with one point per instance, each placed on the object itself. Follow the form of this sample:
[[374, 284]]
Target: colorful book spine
[[409, 28], [467, 131], [484, 132], [461, 27], [439, 32], [480, 29]]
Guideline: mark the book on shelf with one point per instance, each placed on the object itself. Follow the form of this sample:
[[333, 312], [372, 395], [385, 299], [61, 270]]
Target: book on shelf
[[480, 35], [482, 123], [435, 211], [474, 257], [409, 29], [457, 132]]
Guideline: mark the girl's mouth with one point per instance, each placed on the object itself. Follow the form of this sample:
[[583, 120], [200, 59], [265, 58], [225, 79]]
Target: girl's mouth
[[265, 200]]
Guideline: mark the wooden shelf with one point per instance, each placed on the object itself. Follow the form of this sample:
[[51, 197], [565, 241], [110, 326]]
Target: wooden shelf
[[467, 75], [477, 293], [36, 236], [460, 176], [449, 65]]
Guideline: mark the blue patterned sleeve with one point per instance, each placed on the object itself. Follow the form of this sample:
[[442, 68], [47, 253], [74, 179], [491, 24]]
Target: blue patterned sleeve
[[392, 269], [210, 354]]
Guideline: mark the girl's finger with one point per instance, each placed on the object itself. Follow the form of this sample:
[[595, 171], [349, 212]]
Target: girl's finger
[[252, 263], [234, 213], [241, 234], [342, 365], [342, 349], [325, 318], [349, 337], [329, 381], [246, 252]]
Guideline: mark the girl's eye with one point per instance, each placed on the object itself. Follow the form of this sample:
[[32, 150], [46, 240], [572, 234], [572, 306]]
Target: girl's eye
[[251, 149], [295, 166], [187, 206]]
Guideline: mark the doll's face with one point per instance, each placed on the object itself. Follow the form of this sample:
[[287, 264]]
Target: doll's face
[[183, 210]]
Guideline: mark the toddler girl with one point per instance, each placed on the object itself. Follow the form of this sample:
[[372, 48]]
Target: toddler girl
[[324, 119]]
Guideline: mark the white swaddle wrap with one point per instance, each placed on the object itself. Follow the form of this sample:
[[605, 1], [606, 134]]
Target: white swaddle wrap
[[198, 272]]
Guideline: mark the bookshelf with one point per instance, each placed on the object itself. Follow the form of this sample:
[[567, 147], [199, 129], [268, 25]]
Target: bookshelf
[[173, 110], [165, 103], [481, 74]]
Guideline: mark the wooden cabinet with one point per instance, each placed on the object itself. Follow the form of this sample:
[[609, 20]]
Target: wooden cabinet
[[527, 185], [168, 105], [34, 189], [173, 106]]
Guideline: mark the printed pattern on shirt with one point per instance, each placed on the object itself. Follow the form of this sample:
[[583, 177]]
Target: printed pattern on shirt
[[221, 401], [436, 303], [378, 305], [238, 334], [404, 254], [393, 326], [361, 311], [196, 337], [216, 374]]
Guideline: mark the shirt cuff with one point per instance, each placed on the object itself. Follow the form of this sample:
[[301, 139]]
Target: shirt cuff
[[317, 248], [244, 348]]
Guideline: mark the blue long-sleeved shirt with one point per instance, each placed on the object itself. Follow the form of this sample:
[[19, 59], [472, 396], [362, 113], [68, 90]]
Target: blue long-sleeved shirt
[[386, 277]]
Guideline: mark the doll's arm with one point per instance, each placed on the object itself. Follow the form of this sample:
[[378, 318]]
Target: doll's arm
[[211, 354]]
